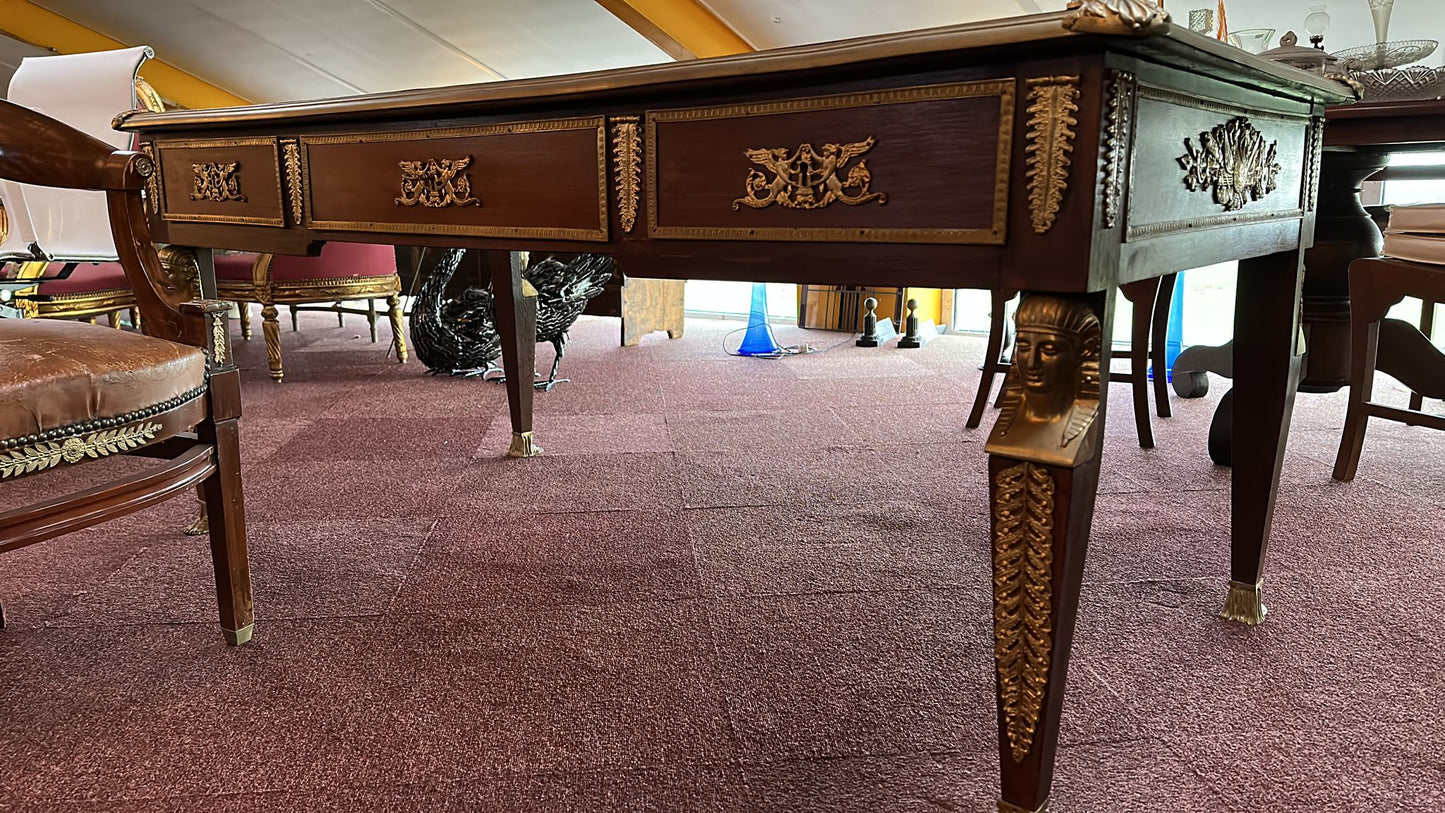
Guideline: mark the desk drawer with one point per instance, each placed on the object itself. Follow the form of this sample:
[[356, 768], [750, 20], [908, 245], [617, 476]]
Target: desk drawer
[[543, 180], [220, 181], [853, 167]]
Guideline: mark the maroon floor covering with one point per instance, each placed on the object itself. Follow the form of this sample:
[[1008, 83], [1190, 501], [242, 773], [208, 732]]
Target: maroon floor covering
[[729, 585]]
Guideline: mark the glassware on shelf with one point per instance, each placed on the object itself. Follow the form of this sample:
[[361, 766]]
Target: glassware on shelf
[[1413, 82], [1387, 54], [1316, 23], [1253, 40], [1380, 11]]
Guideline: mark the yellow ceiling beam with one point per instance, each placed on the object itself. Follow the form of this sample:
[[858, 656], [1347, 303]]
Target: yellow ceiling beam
[[30, 23], [682, 28]]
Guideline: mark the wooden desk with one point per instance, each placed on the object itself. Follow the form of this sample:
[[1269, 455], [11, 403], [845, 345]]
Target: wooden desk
[[1058, 154]]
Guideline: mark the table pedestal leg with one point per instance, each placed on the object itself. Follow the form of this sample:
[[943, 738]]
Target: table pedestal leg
[[516, 304], [1043, 476], [1267, 363]]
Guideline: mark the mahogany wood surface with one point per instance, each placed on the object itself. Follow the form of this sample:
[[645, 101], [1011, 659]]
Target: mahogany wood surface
[[1008, 187]]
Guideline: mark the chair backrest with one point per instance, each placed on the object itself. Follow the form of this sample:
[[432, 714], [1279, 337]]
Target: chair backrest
[[85, 91]]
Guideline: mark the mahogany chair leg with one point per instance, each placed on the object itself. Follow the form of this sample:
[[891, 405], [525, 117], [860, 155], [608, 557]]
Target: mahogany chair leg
[[201, 525], [990, 359], [295, 326], [1364, 343], [371, 317], [225, 506], [1158, 346], [272, 330], [1139, 368], [244, 308], [398, 332], [1427, 326], [340, 317]]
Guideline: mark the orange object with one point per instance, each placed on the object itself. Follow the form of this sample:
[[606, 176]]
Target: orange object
[[1223, 34]]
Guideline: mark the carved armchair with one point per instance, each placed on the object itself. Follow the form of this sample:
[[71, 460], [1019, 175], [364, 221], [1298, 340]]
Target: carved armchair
[[76, 394], [342, 272]]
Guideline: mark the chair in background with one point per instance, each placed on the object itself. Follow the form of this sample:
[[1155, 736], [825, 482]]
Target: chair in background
[[1150, 299], [342, 272], [72, 393], [1427, 328], [1376, 285], [85, 91]]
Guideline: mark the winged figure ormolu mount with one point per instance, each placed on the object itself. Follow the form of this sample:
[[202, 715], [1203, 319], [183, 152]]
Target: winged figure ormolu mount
[[457, 335], [809, 179]]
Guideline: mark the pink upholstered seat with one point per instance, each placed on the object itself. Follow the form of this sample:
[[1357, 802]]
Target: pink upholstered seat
[[235, 266], [88, 278], [337, 261], [341, 272]]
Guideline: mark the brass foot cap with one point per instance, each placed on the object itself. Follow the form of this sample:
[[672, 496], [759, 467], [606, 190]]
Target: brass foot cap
[[240, 636], [1009, 807], [522, 445], [201, 526], [1244, 604]]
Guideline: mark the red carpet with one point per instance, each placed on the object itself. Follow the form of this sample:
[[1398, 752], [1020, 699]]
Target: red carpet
[[729, 585]]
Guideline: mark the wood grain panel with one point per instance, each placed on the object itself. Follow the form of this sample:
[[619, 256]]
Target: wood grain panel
[[258, 172], [698, 166], [541, 180]]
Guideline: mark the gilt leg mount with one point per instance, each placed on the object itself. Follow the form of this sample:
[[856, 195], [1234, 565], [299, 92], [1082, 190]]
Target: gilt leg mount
[[1244, 604], [1043, 473], [523, 446]]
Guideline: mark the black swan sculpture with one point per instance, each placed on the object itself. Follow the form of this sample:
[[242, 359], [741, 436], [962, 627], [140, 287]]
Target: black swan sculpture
[[457, 335]]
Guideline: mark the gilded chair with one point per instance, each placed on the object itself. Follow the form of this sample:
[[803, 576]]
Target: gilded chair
[[85, 91], [77, 394], [342, 272]]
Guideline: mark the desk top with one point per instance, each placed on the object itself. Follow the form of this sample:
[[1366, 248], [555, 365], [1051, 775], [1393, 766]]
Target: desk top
[[1142, 32], [1068, 151]]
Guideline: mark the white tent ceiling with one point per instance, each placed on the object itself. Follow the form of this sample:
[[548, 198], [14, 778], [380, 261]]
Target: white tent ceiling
[[274, 50]]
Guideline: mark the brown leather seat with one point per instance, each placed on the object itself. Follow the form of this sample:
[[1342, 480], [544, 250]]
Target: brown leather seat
[[56, 375]]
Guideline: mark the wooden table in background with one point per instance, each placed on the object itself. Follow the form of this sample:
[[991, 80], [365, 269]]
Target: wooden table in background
[[1057, 154], [1359, 140]]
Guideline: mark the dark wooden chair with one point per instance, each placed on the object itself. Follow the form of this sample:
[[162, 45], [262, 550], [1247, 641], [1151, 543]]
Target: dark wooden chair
[[75, 393], [1150, 299], [1376, 285]]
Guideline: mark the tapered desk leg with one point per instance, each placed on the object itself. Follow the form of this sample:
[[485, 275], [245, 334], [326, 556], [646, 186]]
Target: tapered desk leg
[[516, 303], [1043, 475], [1267, 356]]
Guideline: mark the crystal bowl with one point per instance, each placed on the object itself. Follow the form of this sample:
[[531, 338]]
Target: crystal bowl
[[1387, 54], [1411, 83]]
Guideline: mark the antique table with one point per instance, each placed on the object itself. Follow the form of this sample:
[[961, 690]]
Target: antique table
[[1058, 154], [1359, 140]]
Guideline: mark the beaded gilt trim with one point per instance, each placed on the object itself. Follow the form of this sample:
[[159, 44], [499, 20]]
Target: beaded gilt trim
[[63, 432]]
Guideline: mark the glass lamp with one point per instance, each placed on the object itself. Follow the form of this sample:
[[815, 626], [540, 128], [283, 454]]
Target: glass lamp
[[1316, 22]]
